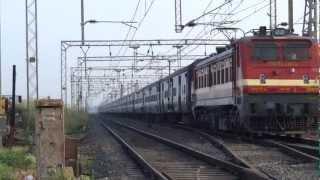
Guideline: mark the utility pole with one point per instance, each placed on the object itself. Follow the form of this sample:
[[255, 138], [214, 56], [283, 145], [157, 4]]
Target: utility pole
[[0, 49], [12, 121], [310, 21], [32, 52], [273, 14], [179, 54], [82, 21], [178, 16], [290, 16]]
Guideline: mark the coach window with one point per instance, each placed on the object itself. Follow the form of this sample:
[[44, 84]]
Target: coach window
[[222, 76], [214, 78], [202, 81], [297, 51], [210, 76], [265, 51], [231, 78], [205, 80], [219, 77], [227, 74]]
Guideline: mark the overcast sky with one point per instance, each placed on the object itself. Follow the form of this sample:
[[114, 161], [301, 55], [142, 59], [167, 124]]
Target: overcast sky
[[60, 20]]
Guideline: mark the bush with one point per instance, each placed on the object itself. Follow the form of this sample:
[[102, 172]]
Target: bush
[[28, 124], [6, 172], [16, 158], [75, 122], [13, 160]]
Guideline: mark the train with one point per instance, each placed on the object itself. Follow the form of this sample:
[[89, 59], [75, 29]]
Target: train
[[264, 83]]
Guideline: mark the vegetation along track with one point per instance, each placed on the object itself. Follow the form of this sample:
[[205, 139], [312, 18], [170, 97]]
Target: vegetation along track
[[175, 161]]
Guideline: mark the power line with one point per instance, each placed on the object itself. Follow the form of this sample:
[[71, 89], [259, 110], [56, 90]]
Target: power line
[[204, 12], [209, 12], [206, 27], [251, 14], [132, 19], [140, 23]]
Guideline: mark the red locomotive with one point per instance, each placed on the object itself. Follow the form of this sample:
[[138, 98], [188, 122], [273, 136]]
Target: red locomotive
[[265, 83]]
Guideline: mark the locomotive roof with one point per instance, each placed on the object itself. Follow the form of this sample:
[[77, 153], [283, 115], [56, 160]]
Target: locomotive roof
[[286, 37]]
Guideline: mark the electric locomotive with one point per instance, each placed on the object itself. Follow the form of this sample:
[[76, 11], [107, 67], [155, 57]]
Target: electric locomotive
[[266, 83]]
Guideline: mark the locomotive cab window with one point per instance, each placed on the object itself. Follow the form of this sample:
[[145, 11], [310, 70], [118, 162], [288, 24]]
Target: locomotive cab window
[[265, 51], [296, 51]]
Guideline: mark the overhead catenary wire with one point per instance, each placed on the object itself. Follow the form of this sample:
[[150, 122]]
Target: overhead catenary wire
[[204, 12], [206, 33], [251, 14], [138, 27], [141, 22], [198, 35], [130, 28]]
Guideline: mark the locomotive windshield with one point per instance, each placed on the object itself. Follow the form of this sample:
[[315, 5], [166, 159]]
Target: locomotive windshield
[[289, 51], [265, 51], [296, 51]]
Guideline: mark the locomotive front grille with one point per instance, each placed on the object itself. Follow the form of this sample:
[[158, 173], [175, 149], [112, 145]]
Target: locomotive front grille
[[280, 123]]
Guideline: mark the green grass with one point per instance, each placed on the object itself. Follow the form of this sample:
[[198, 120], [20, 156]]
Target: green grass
[[13, 160], [75, 122], [6, 172]]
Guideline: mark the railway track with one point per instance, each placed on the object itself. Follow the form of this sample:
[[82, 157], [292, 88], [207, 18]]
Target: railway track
[[102, 156], [307, 146], [199, 142], [274, 159], [167, 159]]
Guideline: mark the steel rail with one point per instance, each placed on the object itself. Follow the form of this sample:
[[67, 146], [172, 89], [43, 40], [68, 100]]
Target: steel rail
[[311, 150], [271, 143], [307, 146], [242, 172], [155, 174], [294, 152], [289, 139], [219, 144]]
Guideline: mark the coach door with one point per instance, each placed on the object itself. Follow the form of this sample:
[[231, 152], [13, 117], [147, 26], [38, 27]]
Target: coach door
[[162, 96], [143, 95], [171, 94], [179, 93], [133, 100]]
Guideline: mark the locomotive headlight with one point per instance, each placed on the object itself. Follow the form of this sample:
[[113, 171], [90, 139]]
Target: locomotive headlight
[[306, 79], [263, 78]]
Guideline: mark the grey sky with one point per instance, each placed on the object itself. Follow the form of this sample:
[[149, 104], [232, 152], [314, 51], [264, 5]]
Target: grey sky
[[60, 20]]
